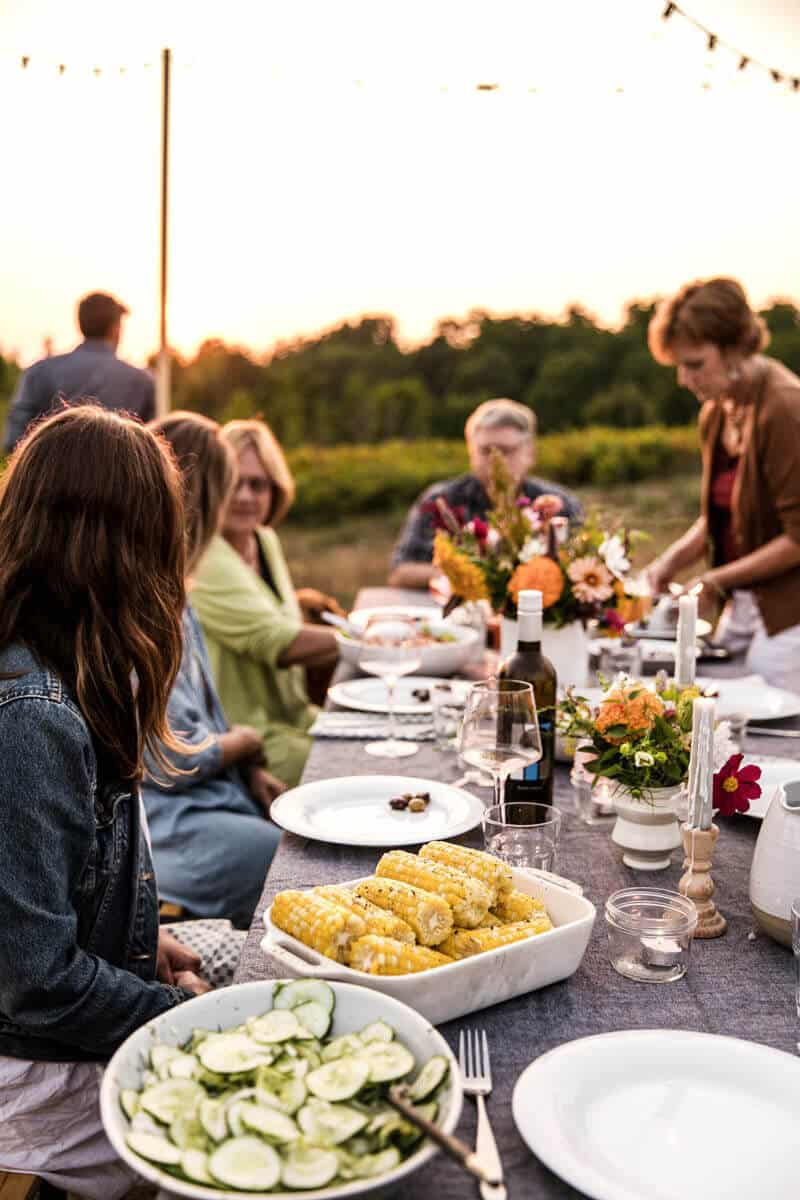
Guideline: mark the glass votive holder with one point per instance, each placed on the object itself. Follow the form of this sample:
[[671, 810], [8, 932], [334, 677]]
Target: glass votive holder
[[523, 833], [594, 804], [447, 712], [650, 934], [737, 724], [615, 656]]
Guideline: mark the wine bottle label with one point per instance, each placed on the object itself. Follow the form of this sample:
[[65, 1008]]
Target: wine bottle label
[[543, 768]]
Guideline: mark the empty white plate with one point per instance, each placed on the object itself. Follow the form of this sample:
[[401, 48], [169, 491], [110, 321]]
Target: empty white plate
[[665, 1115], [354, 811], [371, 695]]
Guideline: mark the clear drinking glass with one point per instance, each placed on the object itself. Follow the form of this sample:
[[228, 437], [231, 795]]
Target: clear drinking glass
[[523, 833], [737, 723], [390, 647], [500, 729], [619, 655], [448, 710], [796, 949]]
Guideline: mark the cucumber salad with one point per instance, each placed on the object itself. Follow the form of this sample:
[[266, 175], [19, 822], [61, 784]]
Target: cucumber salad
[[275, 1103]]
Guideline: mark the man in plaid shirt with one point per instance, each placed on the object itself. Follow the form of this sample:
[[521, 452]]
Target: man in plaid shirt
[[500, 425]]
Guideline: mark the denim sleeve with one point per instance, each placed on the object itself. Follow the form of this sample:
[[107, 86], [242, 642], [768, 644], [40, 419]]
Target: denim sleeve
[[415, 543], [29, 401], [48, 983], [188, 720]]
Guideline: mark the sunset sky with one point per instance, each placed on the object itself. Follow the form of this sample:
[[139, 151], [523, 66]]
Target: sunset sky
[[302, 196]]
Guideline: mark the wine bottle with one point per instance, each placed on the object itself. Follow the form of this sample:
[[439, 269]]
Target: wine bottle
[[528, 663]]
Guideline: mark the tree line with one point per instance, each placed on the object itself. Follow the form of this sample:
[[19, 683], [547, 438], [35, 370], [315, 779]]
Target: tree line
[[355, 383]]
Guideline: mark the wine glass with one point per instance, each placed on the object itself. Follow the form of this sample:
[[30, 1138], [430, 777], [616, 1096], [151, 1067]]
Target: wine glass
[[500, 730], [390, 647]]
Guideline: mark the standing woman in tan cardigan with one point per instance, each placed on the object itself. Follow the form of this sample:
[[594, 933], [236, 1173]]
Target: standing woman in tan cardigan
[[750, 497]]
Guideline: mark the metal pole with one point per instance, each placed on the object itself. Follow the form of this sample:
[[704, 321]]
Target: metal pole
[[163, 371]]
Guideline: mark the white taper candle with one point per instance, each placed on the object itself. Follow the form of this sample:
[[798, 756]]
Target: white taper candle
[[685, 650], [701, 765]]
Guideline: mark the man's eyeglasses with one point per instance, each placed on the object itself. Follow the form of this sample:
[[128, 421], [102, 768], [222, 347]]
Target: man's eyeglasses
[[257, 484]]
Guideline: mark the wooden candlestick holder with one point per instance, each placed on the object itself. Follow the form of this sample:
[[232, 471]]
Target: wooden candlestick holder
[[696, 882]]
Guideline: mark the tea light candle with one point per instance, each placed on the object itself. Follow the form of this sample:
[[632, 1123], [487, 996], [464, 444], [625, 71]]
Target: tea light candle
[[685, 651], [602, 795], [701, 764], [661, 951]]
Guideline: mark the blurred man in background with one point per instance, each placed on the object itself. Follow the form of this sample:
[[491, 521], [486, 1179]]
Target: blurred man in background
[[91, 373]]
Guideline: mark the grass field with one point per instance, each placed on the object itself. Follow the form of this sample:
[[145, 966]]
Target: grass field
[[354, 553]]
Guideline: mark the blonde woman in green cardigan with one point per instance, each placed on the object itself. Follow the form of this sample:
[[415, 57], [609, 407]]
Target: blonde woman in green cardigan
[[256, 625]]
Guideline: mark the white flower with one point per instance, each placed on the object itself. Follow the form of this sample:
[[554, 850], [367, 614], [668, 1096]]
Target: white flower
[[532, 549], [612, 552], [724, 745], [532, 517], [642, 759], [492, 538]]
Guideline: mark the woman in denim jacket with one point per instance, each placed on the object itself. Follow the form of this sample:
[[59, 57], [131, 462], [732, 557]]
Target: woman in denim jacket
[[211, 839], [92, 562]]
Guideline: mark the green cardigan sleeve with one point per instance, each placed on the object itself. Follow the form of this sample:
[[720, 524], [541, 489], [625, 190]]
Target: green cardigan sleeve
[[237, 609]]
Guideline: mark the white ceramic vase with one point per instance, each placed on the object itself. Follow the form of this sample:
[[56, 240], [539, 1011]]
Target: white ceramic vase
[[567, 648], [646, 829], [775, 871]]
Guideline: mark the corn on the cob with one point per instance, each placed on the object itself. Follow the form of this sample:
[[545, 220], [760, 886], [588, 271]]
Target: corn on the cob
[[427, 914], [475, 863], [517, 906], [317, 923], [386, 956], [377, 920], [490, 921], [464, 942], [468, 898]]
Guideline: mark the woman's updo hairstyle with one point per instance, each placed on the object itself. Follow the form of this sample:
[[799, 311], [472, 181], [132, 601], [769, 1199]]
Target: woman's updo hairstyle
[[715, 311]]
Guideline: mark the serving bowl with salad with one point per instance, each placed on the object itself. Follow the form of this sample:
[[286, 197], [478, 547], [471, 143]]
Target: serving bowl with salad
[[278, 1088], [444, 647]]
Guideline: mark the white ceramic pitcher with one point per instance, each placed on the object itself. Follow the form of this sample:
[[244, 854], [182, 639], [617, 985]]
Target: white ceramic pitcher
[[775, 871]]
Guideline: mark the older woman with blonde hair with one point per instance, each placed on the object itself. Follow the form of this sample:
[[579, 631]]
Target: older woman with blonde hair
[[257, 627], [750, 494]]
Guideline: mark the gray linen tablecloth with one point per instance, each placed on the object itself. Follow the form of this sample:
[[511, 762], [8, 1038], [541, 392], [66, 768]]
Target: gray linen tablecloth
[[740, 984]]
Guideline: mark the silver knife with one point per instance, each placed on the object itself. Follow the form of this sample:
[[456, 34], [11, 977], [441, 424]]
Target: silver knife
[[765, 731]]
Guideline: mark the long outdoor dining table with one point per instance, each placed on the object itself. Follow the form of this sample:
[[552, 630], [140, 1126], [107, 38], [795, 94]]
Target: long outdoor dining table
[[740, 985]]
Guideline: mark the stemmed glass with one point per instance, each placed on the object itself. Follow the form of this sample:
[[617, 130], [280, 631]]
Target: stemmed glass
[[500, 730], [390, 647]]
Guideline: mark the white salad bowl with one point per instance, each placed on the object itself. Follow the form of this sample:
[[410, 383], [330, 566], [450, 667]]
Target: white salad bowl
[[355, 1007], [438, 658]]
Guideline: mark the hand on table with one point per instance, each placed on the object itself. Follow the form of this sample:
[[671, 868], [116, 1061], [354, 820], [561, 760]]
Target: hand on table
[[174, 958], [241, 743], [313, 602], [192, 983], [264, 787]]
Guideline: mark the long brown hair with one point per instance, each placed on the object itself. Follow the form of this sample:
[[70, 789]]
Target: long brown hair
[[714, 310], [208, 467], [92, 560]]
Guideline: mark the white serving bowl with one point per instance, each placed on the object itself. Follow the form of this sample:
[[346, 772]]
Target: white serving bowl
[[226, 1007], [439, 658]]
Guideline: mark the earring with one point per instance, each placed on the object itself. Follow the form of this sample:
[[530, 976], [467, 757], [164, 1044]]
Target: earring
[[734, 374]]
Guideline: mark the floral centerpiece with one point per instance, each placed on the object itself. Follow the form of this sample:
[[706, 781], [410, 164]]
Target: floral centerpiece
[[527, 544]]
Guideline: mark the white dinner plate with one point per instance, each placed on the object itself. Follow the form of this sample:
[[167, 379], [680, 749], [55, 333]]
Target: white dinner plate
[[774, 771], [666, 632], [653, 649], [664, 1115], [354, 811], [371, 695], [747, 695]]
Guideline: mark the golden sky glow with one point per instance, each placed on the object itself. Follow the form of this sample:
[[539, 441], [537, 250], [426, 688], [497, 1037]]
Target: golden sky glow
[[300, 198]]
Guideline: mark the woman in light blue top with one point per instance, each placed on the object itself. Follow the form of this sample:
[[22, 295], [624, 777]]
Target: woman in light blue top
[[211, 836]]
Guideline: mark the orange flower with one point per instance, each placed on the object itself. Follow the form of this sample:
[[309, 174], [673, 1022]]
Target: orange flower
[[644, 709], [636, 714], [611, 713], [541, 574]]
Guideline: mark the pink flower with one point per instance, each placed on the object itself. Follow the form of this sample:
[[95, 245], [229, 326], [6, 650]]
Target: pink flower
[[735, 788], [522, 502], [548, 505], [613, 620], [480, 529], [591, 581]]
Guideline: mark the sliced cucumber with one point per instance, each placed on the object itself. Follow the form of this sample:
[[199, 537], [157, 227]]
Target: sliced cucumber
[[154, 1148], [184, 1066], [129, 1102], [309, 1167], [189, 1133], [212, 1118], [369, 1165], [245, 1163], [267, 1122], [341, 1079], [275, 1026], [299, 991], [194, 1164], [378, 1031], [429, 1078], [313, 1017], [143, 1123], [387, 1061], [167, 1100], [349, 1043], [198, 1036], [230, 1053], [296, 1068], [328, 1124], [160, 1056], [287, 1098]]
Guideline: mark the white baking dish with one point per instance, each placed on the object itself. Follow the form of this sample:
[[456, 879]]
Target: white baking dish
[[470, 983]]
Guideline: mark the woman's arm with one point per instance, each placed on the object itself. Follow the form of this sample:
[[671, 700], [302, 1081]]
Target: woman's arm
[[48, 983], [684, 552], [774, 558], [412, 575], [314, 646]]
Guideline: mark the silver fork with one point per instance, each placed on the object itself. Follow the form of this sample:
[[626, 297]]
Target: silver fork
[[476, 1076]]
